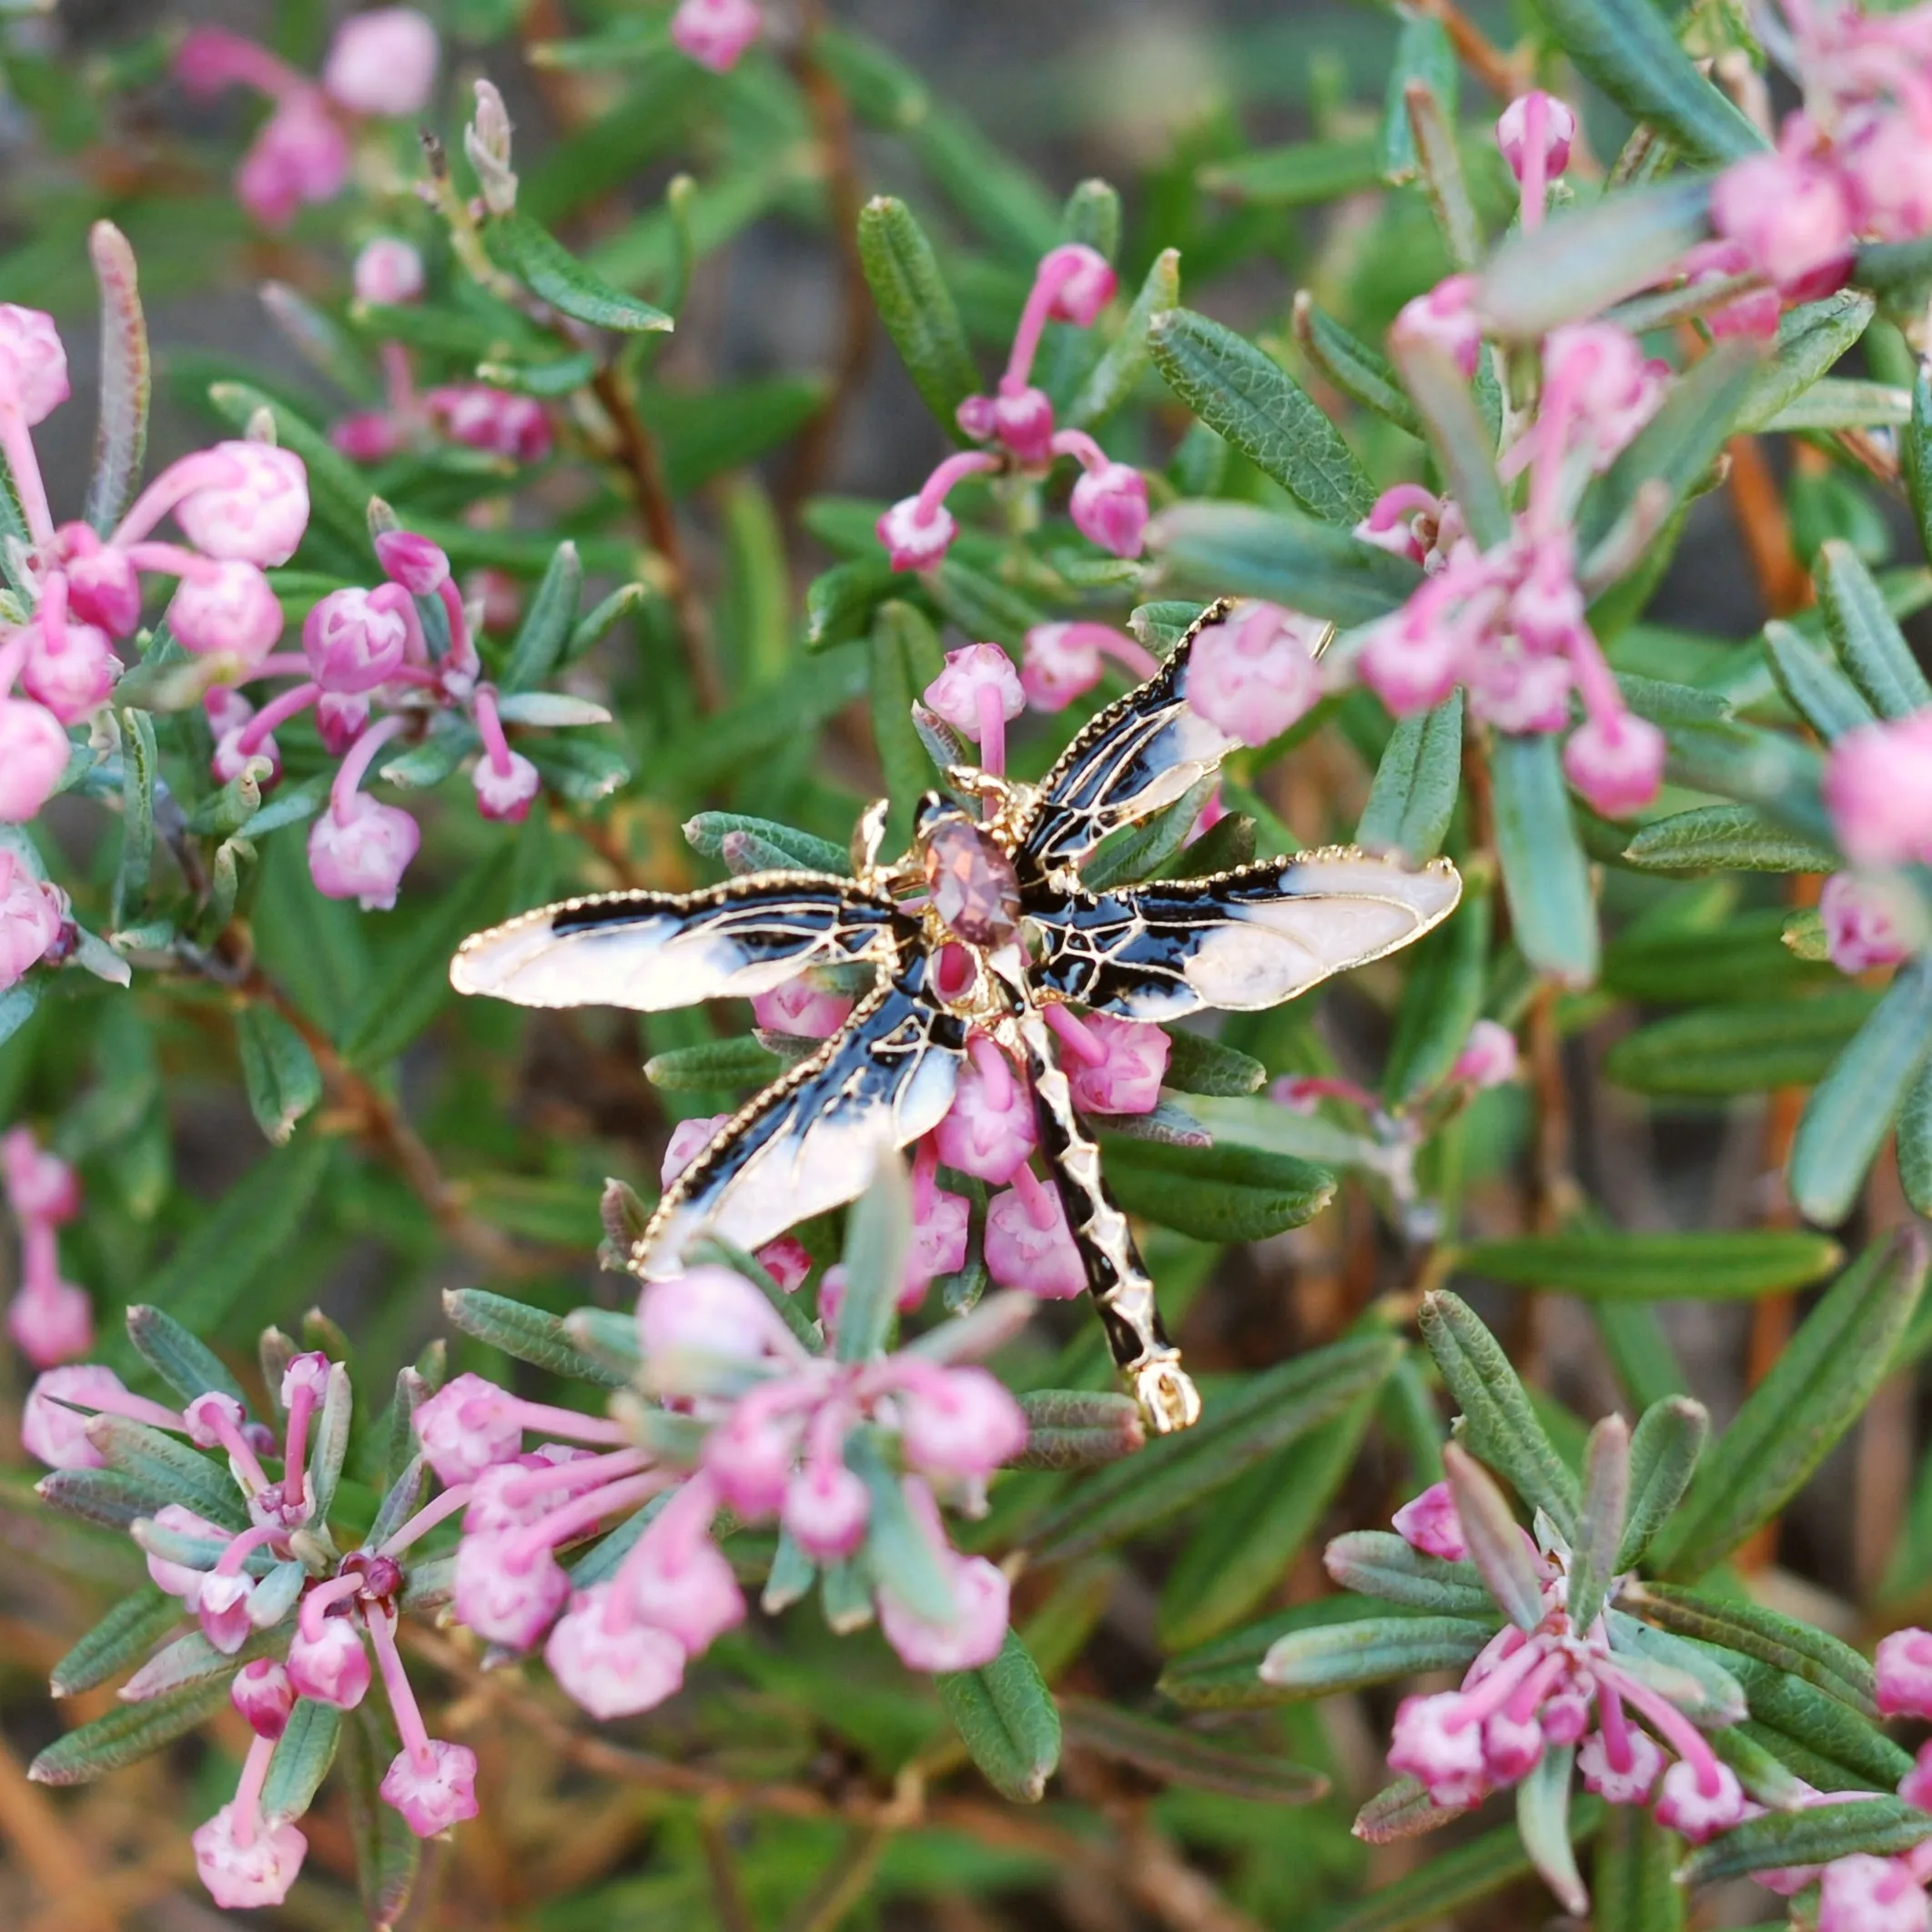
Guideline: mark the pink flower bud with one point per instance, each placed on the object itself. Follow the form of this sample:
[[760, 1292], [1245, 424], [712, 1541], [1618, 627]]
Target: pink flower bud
[[707, 1311], [691, 1592], [230, 761], [367, 435], [1754, 314], [1086, 282], [1861, 926], [182, 1580], [339, 721], [826, 1508], [222, 1609], [940, 1241], [1128, 1081], [1861, 1893], [362, 854], [1564, 1716], [1255, 673], [954, 694], [32, 913], [1904, 1665], [1060, 662], [1630, 1783], [974, 1635], [72, 671], [787, 1261], [498, 420], [50, 1322], [255, 512], [1614, 387], [262, 1693], [1877, 787], [33, 364], [34, 751], [357, 640], [306, 1374], [1429, 1523], [102, 586], [990, 1130], [1022, 421], [1447, 317], [1445, 1755], [1517, 691], [916, 541], [1916, 1787], [383, 62], [465, 1427], [1489, 1057], [715, 33], [331, 1667], [1110, 507], [300, 156], [387, 271], [1512, 1748], [504, 1601], [1559, 129], [1791, 213], [413, 561], [1686, 1807], [689, 1139], [212, 1418], [609, 1665], [232, 608], [243, 1868], [40, 1184], [750, 1455], [1616, 763], [507, 796], [802, 1009], [435, 1795], [1409, 666], [1020, 1253], [56, 1435], [960, 1422]]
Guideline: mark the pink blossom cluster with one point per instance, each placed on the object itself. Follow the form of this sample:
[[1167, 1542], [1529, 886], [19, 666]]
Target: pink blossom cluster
[[1110, 499], [382, 66], [1508, 624], [1552, 1687], [36, 926], [50, 1319], [715, 33], [278, 1582]]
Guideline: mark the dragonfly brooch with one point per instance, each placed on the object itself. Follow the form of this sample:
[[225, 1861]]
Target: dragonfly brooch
[[981, 926]]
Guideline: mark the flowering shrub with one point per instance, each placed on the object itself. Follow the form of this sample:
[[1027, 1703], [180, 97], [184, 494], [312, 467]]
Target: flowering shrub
[[963, 830]]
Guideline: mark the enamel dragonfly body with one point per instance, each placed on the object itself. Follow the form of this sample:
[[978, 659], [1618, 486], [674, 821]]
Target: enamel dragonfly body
[[980, 927]]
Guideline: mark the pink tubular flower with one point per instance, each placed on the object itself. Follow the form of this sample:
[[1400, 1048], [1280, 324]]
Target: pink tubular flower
[[1028, 1244], [682, 1582], [387, 271], [32, 363], [977, 693], [1445, 317], [974, 1635], [707, 1312], [247, 1862], [1061, 662], [1626, 1776], [1879, 788], [329, 1663], [465, 1427], [359, 849], [802, 1009], [1791, 215], [1411, 663], [1113, 1065], [1556, 132], [941, 1224], [55, 1435], [1021, 419], [420, 566], [1861, 1893], [959, 1421], [498, 420], [918, 530], [990, 1130], [1904, 1665], [300, 156], [1429, 1523], [243, 503], [225, 607], [1616, 763], [357, 640], [609, 1662], [104, 585], [689, 1139], [262, 1693], [1488, 1058], [32, 913], [826, 1510], [70, 668], [1861, 929], [1431, 1743], [433, 1787], [40, 1186], [506, 1595], [1110, 501], [382, 63], [506, 782], [51, 1321], [715, 33], [33, 753], [1699, 1802], [1255, 673]]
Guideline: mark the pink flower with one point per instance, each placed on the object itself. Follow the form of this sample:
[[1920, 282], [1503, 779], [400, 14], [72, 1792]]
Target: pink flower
[[104, 587], [222, 1609], [1615, 762], [1516, 690], [225, 607], [689, 1139], [1488, 1058], [465, 1427], [1512, 1747], [182, 1580], [1754, 313], [251, 507], [788, 1262], [750, 1454], [32, 913], [1698, 1805], [503, 1599], [1916, 1787], [974, 1635], [262, 1693], [1860, 929], [1559, 129], [940, 1229], [1127, 1079], [1611, 387], [1790, 213], [51, 1321], [1410, 665], [990, 1130], [367, 435], [420, 567], [498, 420], [715, 33], [1904, 1665], [387, 271], [1888, 175], [802, 1009], [356, 640], [1630, 1783], [610, 1664], [1877, 785], [1029, 1245], [70, 672], [1432, 1742], [506, 795], [32, 363], [978, 682], [685, 1587], [433, 1789], [1860, 1893], [331, 1666], [300, 155], [339, 721], [1110, 507], [916, 541], [362, 851], [1255, 673], [707, 1312], [57, 1435], [1059, 663], [40, 1184], [1429, 1523], [961, 1422], [33, 753], [1082, 280], [1021, 419], [826, 1508], [382, 63], [1445, 317], [242, 1870]]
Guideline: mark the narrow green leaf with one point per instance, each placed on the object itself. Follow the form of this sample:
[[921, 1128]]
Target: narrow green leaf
[[1635, 1874], [1379, 1564], [140, 768], [1250, 399], [1545, 875], [878, 1238], [1362, 374], [899, 1553], [1318, 1663], [1458, 435], [1460, 1876], [181, 1359], [1818, 1735], [120, 436], [708, 831], [1915, 1141], [303, 1754], [1724, 838], [123, 1638], [1495, 1540], [1198, 1065], [1542, 1817], [1442, 1001], [1669, 1439], [1741, 1050], [1232, 549], [1607, 1488], [1078, 1429], [548, 269], [1799, 1649], [839, 603], [527, 1333], [1817, 690], [279, 1071], [1659, 1266], [1215, 1193], [1810, 338], [124, 1737], [1006, 1717], [1424, 53], [1175, 1757], [902, 639], [1416, 784], [1866, 636], [711, 1065], [1112, 379], [165, 1465], [388, 1854], [1880, 1826], [917, 308], [1302, 174], [1842, 402], [548, 622]]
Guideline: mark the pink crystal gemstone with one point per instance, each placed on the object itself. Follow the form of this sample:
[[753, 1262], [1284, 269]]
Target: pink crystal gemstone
[[974, 888]]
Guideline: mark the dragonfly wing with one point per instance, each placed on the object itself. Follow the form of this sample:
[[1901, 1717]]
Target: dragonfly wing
[[1240, 941], [651, 950], [1145, 751], [811, 1141]]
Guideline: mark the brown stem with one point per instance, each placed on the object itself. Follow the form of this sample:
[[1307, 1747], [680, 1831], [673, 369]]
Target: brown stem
[[845, 1881], [1502, 74], [1759, 507], [735, 1914]]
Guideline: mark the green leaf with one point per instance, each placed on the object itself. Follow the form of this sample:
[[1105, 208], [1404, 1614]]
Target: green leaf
[[1175, 1757], [1815, 1392], [1824, 1741], [1111, 381], [120, 436], [1498, 1423], [917, 308], [169, 1467], [1362, 374], [1852, 1108], [1799, 1649], [1542, 1818], [1741, 1050], [1078, 1429], [1423, 53], [1381, 1565], [1659, 1266], [278, 1069], [548, 269], [1442, 1001], [1669, 1439], [1318, 1663], [878, 1238], [548, 622], [839, 603], [126, 1735], [899, 1553], [1198, 1065], [1915, 1141], [711, 1065], [1842, 402], [1882, 1826], [1866, 636], [708, 831], [1545, 875], [1496, 1544], [303, 1754], [1768, 769], [1462, 1875], [388, 1853], [1810, 338], [1241, 1428], [1006, 1717], [1317, 568], [182, 1359], [1635, 1874], [123, 1638], [140, 768], [1725, 838], [1251, 400], [1416, 784], [1457, 435], [1302, 174], [1607, 1486], [527, 1333], [1816, 689], [1215, 1193], [1627, 48]]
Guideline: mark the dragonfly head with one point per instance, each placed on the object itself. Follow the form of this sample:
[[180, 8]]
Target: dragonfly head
[[975, 889], [1168, 1400]]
